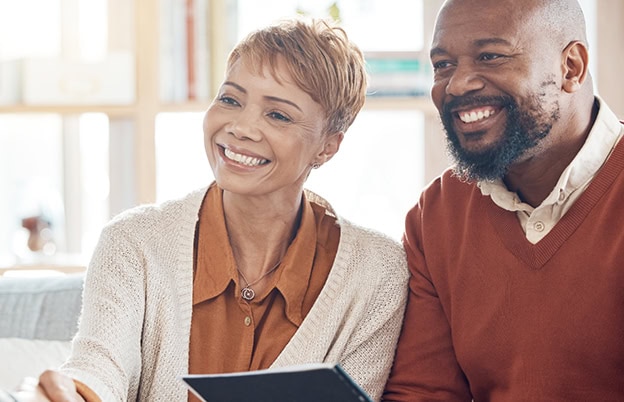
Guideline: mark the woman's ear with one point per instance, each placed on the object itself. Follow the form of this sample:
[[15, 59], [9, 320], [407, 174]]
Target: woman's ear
[[575, 59], [331, 146]]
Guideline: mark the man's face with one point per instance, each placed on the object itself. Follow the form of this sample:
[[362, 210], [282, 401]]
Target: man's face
[[495, 86]]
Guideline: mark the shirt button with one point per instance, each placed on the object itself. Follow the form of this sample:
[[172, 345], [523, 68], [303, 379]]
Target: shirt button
[[247, 321], [562, 196], [539, 226]]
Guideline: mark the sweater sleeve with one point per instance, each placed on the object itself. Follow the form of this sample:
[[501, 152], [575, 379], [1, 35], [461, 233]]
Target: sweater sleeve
[[425, 367], [106, 353], [372, 345]]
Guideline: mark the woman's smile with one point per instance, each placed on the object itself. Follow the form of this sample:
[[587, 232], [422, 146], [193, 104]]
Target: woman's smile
[[247, 160]]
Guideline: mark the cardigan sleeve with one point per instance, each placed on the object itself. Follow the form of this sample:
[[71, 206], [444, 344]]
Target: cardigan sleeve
[[106, 352], [371, 347]]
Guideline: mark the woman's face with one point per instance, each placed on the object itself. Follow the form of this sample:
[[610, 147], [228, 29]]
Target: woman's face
[[261, 136]]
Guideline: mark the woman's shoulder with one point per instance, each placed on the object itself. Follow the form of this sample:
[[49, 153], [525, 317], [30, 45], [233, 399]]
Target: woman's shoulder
[[368, 239], [355, 233], [367, 257], [159, 216]]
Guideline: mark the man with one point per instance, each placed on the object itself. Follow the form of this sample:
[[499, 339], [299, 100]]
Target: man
[[517, 254]]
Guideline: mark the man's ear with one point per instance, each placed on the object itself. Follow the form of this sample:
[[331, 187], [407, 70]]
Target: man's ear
[[575, 60], [331, 147]]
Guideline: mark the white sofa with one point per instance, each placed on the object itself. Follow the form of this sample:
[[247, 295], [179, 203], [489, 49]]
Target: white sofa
[[38, 318]]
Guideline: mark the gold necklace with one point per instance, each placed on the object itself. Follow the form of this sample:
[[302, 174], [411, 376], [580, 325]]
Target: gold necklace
[[247, 292]]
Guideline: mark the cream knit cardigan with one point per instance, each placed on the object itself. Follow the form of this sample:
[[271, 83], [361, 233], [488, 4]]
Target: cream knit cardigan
[[133, 338]]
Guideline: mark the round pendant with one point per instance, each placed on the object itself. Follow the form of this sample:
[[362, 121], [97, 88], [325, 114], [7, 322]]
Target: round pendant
[[248, 293]]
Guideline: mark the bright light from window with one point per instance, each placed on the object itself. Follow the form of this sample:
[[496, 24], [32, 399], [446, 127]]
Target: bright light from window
[[93, 28], [94, 177], [29, 28], [31, 180], [375, 25], [181, 163], [378, 173]]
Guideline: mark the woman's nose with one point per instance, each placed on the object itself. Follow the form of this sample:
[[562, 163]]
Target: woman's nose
[[245, 125]]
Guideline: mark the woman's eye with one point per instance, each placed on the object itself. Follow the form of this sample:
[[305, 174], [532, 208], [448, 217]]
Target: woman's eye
[[228, 100], [279, 116]]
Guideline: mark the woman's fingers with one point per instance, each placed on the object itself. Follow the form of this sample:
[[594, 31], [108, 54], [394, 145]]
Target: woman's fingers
[[58, 387], [30, 391]]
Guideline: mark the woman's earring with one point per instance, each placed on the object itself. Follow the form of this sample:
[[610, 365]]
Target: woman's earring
[[316, 165]]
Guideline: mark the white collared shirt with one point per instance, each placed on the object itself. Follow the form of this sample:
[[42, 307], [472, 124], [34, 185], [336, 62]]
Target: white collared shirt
[[537, 222]]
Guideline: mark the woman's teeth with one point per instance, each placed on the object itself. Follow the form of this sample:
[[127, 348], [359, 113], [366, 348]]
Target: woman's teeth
[[244, 159]]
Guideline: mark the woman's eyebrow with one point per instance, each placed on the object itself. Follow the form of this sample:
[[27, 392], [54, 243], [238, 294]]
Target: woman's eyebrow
[[282, 100]]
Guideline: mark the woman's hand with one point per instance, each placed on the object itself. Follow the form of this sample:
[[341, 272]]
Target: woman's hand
[[51, 387]]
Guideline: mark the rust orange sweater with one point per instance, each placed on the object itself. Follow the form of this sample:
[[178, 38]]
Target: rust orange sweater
[[495, 318]]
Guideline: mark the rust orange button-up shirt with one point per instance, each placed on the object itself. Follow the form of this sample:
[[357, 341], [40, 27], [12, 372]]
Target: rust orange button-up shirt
[[230, 334]]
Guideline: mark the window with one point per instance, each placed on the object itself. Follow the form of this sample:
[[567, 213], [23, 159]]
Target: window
[[181, 163], [55, 163], [399, 20], [378, 173]]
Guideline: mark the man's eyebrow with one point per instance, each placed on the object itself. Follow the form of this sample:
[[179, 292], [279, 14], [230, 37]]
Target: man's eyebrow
[[436, 51], [491, 41], [478, 43]]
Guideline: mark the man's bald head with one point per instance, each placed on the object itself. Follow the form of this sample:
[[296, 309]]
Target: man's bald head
[[562, 20]]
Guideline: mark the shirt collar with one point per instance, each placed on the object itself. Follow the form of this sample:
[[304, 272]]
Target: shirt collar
[[298, 262], [214, 250], [602, 138]]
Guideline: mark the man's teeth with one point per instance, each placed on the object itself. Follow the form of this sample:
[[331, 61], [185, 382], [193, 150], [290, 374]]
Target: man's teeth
[[244, 159], [471, 117]]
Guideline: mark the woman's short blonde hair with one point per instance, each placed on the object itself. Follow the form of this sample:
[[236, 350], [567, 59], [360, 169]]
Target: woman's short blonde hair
[[321, 59]]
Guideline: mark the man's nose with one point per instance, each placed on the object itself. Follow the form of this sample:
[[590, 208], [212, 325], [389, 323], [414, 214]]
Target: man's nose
[[465, 79]]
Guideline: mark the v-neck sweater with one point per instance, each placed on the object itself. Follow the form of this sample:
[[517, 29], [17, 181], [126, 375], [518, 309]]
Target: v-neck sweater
[[494, 317]]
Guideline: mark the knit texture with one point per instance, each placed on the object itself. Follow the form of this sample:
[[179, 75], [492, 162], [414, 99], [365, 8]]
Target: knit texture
[[508, 320], [133, 338]]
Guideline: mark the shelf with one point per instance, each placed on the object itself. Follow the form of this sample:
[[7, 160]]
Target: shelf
[[184, 107], [422, 104], [111, 110]]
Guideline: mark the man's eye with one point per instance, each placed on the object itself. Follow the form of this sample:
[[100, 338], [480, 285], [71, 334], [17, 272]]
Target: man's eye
[[490, 56], [438, 65]]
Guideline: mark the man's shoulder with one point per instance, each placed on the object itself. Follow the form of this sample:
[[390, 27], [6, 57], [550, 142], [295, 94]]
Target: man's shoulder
[[448, 185]]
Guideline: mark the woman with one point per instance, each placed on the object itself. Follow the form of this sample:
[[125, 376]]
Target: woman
[[254, 271]]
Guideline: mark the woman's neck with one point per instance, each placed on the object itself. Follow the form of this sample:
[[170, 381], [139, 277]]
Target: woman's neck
[[260, 231]]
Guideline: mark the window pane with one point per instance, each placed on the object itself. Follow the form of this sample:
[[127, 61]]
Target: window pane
[[94, 179], [378, 173], [54, 181], [399, 20], [181, 163], [30, 183], [37, 25], [61, 52]]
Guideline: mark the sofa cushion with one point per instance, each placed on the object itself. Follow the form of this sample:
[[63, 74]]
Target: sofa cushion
[[44, 307], [23, 358]]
